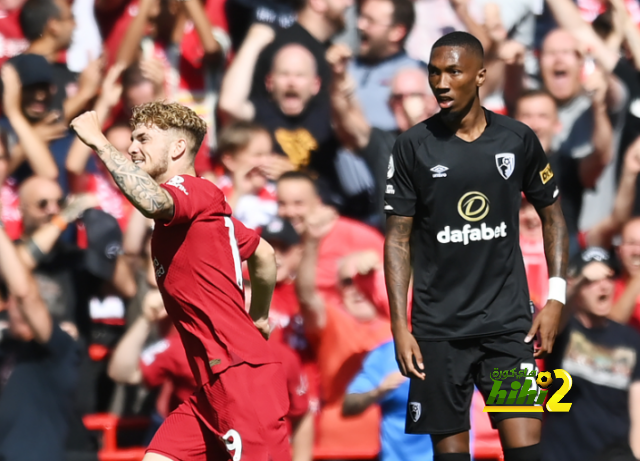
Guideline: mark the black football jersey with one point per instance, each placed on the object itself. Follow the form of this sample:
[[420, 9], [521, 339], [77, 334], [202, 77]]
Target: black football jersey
[[464, 197]]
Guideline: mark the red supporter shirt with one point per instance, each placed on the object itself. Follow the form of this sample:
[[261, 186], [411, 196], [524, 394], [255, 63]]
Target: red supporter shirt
[[11, 215], [110, 197], [341, 347], [346, 237], [297, 384], [165, 361], [197, 258], [619, 287], [12, 41]]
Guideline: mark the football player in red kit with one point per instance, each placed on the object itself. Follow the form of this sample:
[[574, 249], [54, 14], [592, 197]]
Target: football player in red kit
[[238, 410]]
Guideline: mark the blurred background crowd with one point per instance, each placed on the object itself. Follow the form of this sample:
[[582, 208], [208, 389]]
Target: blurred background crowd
[[303, 101]]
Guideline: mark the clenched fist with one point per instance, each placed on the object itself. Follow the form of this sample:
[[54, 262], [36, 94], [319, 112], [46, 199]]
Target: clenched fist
[[87, 127]]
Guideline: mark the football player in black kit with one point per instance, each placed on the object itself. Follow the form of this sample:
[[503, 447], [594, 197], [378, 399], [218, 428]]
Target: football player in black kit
[[452, 200]]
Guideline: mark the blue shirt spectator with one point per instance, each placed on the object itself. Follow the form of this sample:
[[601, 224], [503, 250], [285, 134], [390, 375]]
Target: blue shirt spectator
[[379, 364]]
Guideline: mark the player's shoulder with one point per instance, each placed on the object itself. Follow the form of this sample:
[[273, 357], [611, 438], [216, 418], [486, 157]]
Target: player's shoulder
[[510, 125], [188, 184], [420, 132], [408, 142]]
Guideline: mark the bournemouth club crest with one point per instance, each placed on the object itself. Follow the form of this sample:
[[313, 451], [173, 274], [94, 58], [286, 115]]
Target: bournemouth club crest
[[506, 163], [415, 410]]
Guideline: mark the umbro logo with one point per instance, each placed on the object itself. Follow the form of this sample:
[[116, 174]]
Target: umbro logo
[[439, 171]]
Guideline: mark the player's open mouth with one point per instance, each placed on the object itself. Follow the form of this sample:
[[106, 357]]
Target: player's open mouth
[[138, 162], [445, 102]]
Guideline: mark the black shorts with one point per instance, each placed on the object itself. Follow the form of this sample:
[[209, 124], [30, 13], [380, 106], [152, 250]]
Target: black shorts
[[440, 404]]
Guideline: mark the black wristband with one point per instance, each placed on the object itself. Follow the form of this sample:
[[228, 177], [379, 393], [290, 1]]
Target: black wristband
[[35, 251]]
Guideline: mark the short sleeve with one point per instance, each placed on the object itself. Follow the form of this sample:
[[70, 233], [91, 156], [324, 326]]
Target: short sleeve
[[193, 196], [539, 182], [368, 377], [400, 195], [298, 388], [155, 363], [247, 239]]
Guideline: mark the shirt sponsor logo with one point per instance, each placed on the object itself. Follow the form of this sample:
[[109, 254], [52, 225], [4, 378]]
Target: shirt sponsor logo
[[390, 190], [176, 182], [391, 169], [473, 206], [506, 163], [471, 234], [415, 410], [546, 174], [439, 171]]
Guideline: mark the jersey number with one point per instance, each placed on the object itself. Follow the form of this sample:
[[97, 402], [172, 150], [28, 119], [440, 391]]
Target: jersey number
[[233, 443], [228, 222]]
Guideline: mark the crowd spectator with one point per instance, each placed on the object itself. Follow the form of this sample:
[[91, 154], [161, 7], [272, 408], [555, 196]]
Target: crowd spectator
[[340, 332], [380, 382], [245, 151], [383, 26], [602, 358], [301, 121], [39, 363]]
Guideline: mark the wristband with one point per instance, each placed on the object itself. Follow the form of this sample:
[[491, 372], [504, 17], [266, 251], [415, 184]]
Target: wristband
[[35, 251], [59, 222], [558, 289]]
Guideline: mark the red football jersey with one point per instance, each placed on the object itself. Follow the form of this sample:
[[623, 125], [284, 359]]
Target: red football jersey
[[198, 262], [164, 361]]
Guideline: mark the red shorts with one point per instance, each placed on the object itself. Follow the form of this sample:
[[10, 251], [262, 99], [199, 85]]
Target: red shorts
[[239, 415]]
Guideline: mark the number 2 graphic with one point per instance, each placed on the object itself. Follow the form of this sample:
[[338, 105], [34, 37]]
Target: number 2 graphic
[[553, 404]]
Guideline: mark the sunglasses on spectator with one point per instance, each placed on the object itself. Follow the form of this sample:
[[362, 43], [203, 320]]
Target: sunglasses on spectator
[[42, 204], [346, 282], [398, 96]]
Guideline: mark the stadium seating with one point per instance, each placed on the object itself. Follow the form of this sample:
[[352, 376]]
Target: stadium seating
[[109, 424]]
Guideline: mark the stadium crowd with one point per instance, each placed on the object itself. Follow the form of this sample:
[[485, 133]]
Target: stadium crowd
[[303, 100]]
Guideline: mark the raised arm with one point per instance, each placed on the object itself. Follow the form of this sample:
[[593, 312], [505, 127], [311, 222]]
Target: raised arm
[[349, 121], [130, 44], [140, 189], [34, 250], [630, 31], [88, 87], [79, 153], [22, 285], [556, 249], [236, 85], [357, 402], [591, 166], [312, 305], [33, 147], [397, 274], [603, 232], [262, 273], [568, 17], [197, 14], [124, 366]]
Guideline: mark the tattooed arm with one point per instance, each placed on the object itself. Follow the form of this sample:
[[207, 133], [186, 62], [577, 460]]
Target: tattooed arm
[[397, 272], [140, 189], [556, 248]]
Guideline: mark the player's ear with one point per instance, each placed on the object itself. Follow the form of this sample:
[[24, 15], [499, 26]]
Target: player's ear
[[180, 148], [480, 77]]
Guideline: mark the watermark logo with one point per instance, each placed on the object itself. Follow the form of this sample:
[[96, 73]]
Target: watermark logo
[[524, 393]]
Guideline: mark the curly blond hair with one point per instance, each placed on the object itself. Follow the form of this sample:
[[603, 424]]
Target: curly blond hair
[[171, 115]]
